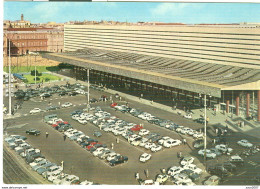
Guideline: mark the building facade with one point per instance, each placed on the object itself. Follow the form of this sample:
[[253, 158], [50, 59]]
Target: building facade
[[184, 62]]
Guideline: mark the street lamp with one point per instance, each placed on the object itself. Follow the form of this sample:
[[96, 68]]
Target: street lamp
[[205, 129]]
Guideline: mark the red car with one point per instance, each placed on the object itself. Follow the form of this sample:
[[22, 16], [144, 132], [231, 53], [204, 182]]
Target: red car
[[59, 122], [113, 105], [91, 145], [136, 128]]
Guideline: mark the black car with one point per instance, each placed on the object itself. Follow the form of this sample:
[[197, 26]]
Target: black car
[[33, 132], [52, 108], [198, 143], [72, 93], [118, 160], [63, 93], [229, 166], [93, 100], [200, 120], [45, 95], [191, 174], [218, 170], [76, 112]]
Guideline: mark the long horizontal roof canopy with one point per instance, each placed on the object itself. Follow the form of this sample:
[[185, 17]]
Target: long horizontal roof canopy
[[188, 75]]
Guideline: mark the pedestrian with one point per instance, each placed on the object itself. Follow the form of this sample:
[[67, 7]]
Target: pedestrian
[[142, 95], [137, 177], [242, 124], [207, 120], [184, 141], [126, 104], [180, 154], [146, 173], [163, 171], [120, 98], [117, 140], [216, 130], [64, 137], [112, 146], [110, 97], [59, 103], [47, 134]]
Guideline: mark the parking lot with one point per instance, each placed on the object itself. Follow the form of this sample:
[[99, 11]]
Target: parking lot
[[82, 163]]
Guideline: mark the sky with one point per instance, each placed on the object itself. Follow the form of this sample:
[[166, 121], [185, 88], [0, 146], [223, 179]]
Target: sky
[[188, 13]]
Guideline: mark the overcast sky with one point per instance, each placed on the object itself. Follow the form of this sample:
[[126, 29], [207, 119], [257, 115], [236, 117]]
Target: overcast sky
[[42, 12]]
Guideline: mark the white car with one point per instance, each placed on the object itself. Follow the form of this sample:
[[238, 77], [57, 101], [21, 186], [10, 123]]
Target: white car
[[193, 167], [149, 182], [145, 157], [82, 121], [187, 161], [112, 156], [245, 143], [81, 91], [182, 178], [75, 117], [54, 175], [35, 110], [143, 132], [86, 182], [36, 161], [198, 135], [68, 180], [66, 104], [149, 145], [162, 178], [185, 130], [161, 141], [53, 121], [52, 169], [188, 116], [156, 148], [174, 170], [223, 148], [98, 151], [60, 178], [209, 154], [171, 143], [135, 142]]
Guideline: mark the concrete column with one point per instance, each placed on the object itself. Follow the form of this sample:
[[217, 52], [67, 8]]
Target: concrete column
[[237, 105], [247, 104], [227, 106], [258, 100]]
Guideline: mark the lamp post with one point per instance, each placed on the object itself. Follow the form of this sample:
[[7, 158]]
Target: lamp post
[[205, 130], [88, 87], [9, 81]]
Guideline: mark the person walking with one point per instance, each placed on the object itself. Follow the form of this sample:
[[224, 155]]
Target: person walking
[[137, 177], [64, 137], [47, 134], [117, 140], [163, 171], [112, 146], [146, 173], [184, 141]]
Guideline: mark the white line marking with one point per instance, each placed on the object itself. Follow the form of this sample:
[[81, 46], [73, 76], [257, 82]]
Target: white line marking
[[241, 173]]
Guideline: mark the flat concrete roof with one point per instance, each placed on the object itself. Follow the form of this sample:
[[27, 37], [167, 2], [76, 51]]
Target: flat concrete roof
[[183, 74]]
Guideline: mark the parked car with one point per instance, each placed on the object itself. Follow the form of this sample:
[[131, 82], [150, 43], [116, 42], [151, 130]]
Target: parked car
[[193, 168], [35, 110], [156, 148], [224, 148], [143, 132], [213, 180], [66, 104], [236, 160], [171, 143], [218, 170], [136, 128], [118, 160], [209, 154], [69, 179], [162, 178], [245, 143], [188, 116], [97, 134], [187, 160], [145, 157], [33, 132], [49, 108]]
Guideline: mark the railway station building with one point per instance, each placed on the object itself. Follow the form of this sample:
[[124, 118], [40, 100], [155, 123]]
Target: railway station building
[[177, 64]]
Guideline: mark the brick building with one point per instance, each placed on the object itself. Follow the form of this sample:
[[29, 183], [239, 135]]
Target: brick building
[[25, 40]]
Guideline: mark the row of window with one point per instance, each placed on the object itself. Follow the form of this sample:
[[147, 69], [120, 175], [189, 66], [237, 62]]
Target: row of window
[[28, 44]]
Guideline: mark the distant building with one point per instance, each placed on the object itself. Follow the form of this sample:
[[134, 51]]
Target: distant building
[[26, 37]]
